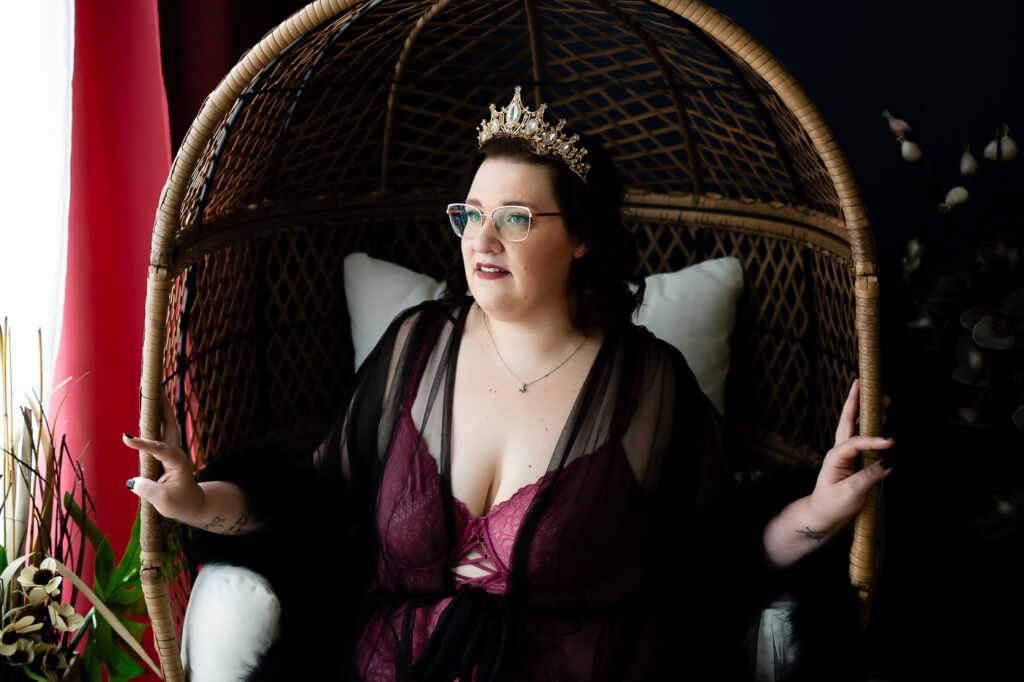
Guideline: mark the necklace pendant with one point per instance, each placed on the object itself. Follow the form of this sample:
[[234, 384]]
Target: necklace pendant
[[522, 388]]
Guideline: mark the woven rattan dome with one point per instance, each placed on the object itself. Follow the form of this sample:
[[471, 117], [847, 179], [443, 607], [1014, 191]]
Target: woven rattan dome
[[345, 128]]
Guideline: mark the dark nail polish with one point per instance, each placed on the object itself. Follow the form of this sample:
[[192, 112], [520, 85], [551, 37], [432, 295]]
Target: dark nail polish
[[887, 461], [890, 439], [128, 435], [130, 484]]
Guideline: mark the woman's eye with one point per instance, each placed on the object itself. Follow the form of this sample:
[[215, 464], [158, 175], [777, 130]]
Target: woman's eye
[[518, 219], [474, 216]]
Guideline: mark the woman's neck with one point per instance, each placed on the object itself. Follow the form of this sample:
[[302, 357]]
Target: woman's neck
[[524, 343]]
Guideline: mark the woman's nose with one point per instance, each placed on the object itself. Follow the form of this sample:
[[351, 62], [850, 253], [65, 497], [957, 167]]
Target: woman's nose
[[487, 238]]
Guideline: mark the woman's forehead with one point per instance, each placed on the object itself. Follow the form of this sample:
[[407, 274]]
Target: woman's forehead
[[508, 181]]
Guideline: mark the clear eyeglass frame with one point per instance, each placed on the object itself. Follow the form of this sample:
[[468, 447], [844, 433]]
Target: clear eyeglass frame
[[467, 220]]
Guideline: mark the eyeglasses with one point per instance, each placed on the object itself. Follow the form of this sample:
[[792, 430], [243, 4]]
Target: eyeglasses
[[512, 223]]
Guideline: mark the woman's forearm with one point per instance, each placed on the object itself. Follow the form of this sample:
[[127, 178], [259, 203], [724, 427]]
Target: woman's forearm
[[223, 510], [794, 533]]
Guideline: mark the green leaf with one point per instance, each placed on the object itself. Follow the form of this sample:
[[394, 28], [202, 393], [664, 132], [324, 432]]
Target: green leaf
[[103, 637], [32, 676], [134, 627], [3, 558], [123, 595], [92, 532], [128, 567], [137, 608], [103, 569], [120, 666], [90, 665]]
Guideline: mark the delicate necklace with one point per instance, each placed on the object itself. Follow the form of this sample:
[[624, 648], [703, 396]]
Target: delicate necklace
[[524, 384]]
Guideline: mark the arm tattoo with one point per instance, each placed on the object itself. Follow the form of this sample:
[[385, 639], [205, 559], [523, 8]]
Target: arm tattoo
[[217, 522], [811, 534], [218, 525], [238, 525]]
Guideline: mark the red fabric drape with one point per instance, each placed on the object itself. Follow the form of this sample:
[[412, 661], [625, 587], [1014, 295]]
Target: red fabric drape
[[202, 41], [120, 157]]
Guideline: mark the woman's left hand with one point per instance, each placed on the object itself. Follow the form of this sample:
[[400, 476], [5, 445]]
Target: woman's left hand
[[838, 494], [841, 489]]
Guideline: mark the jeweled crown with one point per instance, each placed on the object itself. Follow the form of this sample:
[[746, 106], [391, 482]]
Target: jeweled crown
[[516, 120]]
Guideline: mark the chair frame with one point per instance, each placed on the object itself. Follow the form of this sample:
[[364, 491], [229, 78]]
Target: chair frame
[[852, 234]]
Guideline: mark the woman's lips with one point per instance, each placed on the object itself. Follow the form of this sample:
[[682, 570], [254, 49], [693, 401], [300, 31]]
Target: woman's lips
[[489, 271]]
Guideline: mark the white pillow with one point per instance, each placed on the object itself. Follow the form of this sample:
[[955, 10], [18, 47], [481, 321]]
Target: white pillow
[[232, 619], [376, 291], [694, 309]]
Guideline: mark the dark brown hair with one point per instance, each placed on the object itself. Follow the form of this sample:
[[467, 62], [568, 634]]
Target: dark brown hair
[[600, 291]]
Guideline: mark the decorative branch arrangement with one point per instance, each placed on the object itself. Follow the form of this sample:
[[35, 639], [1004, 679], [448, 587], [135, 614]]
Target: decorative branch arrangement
[[965, 279], [46, 524]]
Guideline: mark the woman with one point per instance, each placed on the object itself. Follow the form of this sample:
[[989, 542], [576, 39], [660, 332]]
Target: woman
[[516, 473]]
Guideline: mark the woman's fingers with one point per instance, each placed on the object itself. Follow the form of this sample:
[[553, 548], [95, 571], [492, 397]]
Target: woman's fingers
[[169, 455], [851, 447], [850, 417], [835, 502], [840, 491], [862, 481], [839, 461], [178, 498], [145, 488], [846, 426], [170, 422], [175, 495]]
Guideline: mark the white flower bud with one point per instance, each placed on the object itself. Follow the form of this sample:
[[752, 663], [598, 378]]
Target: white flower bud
[[968, 164], [915, 247], [898, 127], [954, 197], [1001, 146], [922, 322], [910, 151], [976, 359]]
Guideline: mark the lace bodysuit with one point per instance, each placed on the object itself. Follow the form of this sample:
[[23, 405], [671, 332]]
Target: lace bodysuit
[[415, 552]]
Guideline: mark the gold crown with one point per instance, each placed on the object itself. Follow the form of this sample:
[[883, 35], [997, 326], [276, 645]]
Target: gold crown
[[516, 120]]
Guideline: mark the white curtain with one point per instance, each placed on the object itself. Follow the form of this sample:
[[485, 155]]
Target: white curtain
[[36, 59]]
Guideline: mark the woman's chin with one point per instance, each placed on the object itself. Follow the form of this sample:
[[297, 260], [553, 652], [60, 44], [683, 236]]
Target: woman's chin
[[489, 301]]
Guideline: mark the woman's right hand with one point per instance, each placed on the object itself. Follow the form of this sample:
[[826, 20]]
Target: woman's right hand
[[176, 495]]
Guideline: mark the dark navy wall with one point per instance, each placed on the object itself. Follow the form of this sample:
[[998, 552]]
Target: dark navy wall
[[951, 599]]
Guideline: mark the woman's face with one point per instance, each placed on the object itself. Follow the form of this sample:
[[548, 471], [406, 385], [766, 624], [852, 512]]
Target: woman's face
[[519, 281]]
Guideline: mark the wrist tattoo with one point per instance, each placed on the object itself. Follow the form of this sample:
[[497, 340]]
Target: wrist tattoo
[[238, 525], [817, 536]]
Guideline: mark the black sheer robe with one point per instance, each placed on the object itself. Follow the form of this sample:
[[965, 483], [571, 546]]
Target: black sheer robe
[[635, 559]]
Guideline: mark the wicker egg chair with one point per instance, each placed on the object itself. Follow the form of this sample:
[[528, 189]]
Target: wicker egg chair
[[343, 130]]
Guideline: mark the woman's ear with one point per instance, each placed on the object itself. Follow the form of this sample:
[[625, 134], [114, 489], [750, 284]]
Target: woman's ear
[[581, 250]]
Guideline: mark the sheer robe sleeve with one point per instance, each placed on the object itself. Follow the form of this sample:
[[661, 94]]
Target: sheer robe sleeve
[[705, 561], [709, 505]]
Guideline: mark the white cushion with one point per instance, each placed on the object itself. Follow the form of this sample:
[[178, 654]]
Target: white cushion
[[232, 618], [376, 291], [693, 309]]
